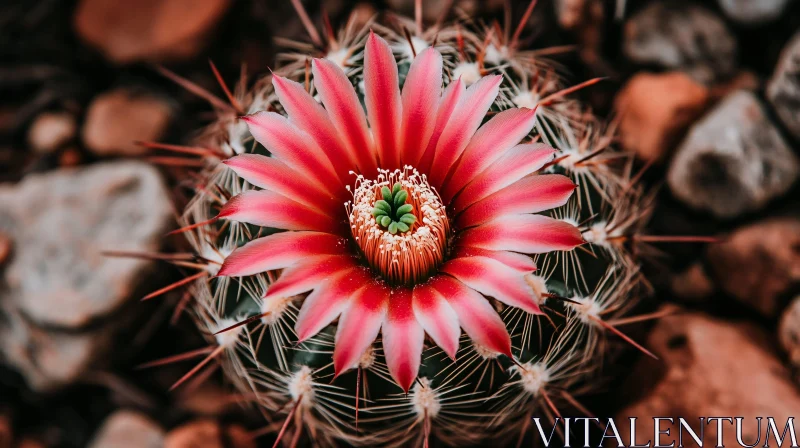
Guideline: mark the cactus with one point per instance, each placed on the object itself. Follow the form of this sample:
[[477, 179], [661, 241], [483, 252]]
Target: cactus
[[437, 182]]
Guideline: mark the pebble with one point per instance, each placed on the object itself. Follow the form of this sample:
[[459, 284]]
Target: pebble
[[734, 160]]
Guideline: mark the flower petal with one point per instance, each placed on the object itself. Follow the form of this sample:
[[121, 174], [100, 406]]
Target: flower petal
[[293, 147], [278, 251], [492, 140], [492, 278], [532, 194], [346, 113], [519, 262], [437, 318], [447, 104], [382, 98], [309, 115], [359, 325], [475, 314], [271, 174], [309, 273], [328, 301], [270, 209], [402, 339], [462, 126], [517, 163], [421, 92], [530, 234]]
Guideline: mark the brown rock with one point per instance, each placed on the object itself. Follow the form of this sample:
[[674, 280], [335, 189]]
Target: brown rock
[[693, 284], [239, 437], [148, 30], [127, 429], [789, 332], [655, 110], [197, 434], [6, 434], [759, 264], [118, 118], [708, 368], [51, 130]]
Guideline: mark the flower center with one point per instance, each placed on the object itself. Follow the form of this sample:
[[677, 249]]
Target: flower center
[[400, 225]]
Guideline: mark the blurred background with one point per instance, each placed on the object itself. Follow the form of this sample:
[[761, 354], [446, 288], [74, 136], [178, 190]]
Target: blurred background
[[705, 93]]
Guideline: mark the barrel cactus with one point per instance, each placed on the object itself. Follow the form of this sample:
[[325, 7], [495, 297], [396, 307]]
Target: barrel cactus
[[409, 234]]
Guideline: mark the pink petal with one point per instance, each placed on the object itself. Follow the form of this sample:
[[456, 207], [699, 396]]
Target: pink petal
[[402, 339], [462, 126], [305, 112], [437, 318], [450, 99], [359, 325], [329, 300], [492, 278], [491, 141], [270, 209], [308, 274], [475, 314], [519, 262], [293, 147], [517, 163], [382, 98], [280, 250], [271, 174], [530, 234], [532, 194], [421, 92], [346, 113]]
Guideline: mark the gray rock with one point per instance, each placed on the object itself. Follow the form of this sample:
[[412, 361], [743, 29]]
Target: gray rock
[[60, 224], [753, 11], [127, 429], [681, 36], [734, 160], [62, 302], [783, 89], [759, 264], [789, 332], [50, 359]]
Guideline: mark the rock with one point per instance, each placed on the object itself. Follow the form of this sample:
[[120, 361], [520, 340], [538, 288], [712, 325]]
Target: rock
[[6, 434], [5, 248], [789, 332], [759, 264], [693, 284], [208, 434], [734, 160], [708, 368], [125, 429], [681, 36], [783, 89], [654, 111], [148, 30], [62, 222], [197, 434], [239, 437], [61, 299], [49, 359], [753, 11], [51, 130], [117, 119]]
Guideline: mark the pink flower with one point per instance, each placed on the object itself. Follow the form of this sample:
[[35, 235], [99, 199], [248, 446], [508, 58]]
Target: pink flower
[[399, 219]]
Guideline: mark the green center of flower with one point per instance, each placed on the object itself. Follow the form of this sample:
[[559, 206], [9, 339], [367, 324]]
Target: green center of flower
[[392, 213]]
